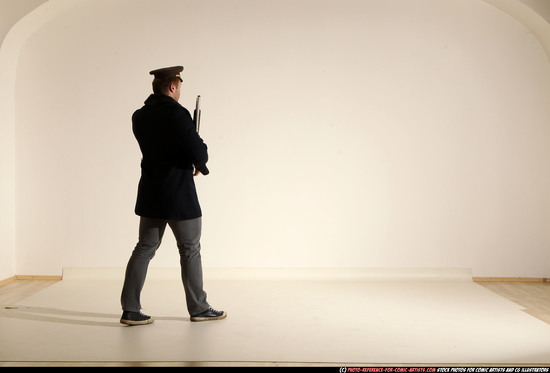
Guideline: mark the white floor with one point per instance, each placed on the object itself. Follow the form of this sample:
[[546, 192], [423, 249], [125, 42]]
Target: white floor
[[297, 317]]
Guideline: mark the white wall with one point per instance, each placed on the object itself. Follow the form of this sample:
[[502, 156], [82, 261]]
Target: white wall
[[7, 176], [542, 7], [351, 133], [11, 12]]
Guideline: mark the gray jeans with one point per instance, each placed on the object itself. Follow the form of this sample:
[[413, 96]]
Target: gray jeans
[[187, 234]]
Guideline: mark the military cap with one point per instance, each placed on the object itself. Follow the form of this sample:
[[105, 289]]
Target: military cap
[[168, 72]]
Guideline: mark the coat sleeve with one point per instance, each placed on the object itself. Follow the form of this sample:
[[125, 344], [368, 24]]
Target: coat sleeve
[[193, 147]]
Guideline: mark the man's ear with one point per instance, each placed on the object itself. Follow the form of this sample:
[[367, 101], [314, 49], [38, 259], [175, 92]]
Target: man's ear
[[173, 87]]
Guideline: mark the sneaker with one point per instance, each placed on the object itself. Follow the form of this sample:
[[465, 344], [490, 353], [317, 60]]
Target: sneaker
[[209, 314], [135, 318]]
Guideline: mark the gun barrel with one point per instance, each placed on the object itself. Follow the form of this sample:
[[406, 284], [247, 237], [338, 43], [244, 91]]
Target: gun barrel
[[197, 114]]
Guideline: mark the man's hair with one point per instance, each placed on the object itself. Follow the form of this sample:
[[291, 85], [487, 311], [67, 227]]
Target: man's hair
[[161, 86]]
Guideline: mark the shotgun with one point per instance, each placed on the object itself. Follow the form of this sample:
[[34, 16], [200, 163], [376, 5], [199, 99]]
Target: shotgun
[[197, 121], [197, 114]]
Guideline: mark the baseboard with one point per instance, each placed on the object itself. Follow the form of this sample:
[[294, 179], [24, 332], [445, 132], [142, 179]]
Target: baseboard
[[33, 277], [217, 275], [511, 279], [7, 280], [29, 277]]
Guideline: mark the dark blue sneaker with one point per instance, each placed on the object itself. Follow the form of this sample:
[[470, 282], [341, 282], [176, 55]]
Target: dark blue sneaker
[[209, 314], [135, 318]]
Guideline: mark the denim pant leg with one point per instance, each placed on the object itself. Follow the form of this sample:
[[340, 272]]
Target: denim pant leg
[[150, 237], [188, 234]]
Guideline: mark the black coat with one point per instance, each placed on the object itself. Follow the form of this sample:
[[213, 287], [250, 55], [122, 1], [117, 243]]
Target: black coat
[[171, 148]]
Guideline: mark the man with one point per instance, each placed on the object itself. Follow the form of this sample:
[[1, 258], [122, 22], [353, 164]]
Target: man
[[173, 153]]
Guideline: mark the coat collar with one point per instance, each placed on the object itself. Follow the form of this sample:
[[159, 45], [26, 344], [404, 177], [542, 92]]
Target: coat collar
[[154, 99]]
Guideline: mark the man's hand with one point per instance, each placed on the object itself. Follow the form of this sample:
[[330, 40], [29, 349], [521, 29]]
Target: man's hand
[[197, 172]]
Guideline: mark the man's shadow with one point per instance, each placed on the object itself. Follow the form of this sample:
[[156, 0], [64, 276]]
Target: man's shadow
[[54, 315]]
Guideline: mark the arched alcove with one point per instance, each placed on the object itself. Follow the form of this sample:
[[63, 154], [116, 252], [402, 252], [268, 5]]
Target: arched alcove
[[342, 134]]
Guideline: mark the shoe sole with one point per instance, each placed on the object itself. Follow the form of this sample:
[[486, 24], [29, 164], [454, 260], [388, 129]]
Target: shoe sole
[[133, 322], [195, 318]]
